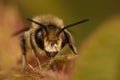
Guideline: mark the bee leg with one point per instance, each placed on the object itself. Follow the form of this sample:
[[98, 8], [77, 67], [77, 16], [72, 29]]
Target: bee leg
[[35, 53], [51, 61], [53, 64], [23, 43], [37, 59], [70, 43], [50, 64]]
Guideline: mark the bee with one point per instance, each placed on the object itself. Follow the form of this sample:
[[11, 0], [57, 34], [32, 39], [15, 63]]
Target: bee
[[46, 35]]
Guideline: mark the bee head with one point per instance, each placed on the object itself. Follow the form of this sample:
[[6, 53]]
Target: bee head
[[52, 37], [46, 37]]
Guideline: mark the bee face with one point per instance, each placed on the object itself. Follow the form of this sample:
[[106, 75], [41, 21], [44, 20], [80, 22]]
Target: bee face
[[49, 42], [52, 43], [50, 35]]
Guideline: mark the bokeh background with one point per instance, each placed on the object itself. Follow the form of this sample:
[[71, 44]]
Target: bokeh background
[[97, 41]]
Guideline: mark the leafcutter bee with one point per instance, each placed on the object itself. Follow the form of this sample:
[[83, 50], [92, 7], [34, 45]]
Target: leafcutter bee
[[48, 35]]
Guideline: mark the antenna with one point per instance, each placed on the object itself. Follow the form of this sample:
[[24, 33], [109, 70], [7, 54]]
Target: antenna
[[70, 25], [38, 24]]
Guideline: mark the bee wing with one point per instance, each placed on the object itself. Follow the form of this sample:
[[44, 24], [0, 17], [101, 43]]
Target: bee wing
[[20, 31], [70, 42]]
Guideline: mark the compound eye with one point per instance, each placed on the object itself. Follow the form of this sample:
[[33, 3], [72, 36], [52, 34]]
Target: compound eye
[[39, 39], [64, 40], [39, 35]]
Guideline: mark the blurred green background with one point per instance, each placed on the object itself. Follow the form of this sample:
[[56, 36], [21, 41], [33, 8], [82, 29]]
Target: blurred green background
[[71, 11], [98, 41]]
